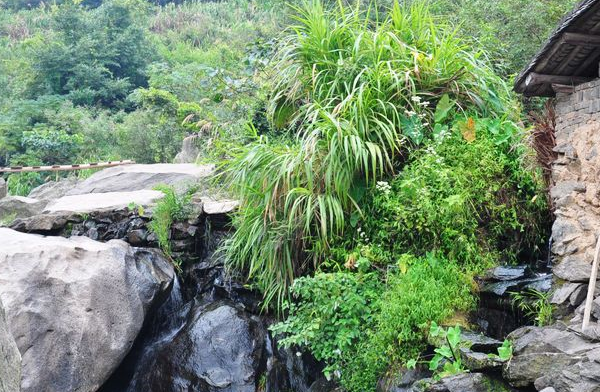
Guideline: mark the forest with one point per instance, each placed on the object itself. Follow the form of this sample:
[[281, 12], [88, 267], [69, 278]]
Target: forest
[[379, 155]]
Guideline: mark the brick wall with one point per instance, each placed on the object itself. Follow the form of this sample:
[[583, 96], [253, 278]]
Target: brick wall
[[576, 177]]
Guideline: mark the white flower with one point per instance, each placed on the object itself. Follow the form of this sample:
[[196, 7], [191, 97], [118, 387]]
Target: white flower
[[425, 103], [416, 98], [410, 113]]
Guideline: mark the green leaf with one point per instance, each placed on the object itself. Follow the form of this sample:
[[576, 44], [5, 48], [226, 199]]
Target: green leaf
[[454, 336], [412, 364], [435, 362], [444, 351], [443, 108], [505, 351]]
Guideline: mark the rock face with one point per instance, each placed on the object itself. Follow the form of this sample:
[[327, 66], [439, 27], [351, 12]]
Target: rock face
[[219, 349], [75, 306], [576, 193], [10, 358], [554, 357], [137, 177], [19, 207], [189, 150], [497, 315]]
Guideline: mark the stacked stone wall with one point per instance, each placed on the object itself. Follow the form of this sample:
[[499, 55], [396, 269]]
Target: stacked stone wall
[[576, 178]]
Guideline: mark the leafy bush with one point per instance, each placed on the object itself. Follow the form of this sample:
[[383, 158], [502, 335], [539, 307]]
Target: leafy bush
[[432, 289], [471, 201], [356, 95], [329, 314]]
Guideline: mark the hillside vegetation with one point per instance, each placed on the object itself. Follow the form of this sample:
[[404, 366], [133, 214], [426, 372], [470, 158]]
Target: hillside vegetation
[[379, 156]]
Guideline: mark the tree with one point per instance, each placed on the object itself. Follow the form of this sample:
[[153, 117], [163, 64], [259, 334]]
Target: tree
[[94, 57]]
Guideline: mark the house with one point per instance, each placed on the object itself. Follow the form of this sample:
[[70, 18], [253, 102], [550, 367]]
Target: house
[[567, 68]]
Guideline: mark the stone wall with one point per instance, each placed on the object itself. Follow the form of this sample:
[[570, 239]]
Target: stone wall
[[576, 189]]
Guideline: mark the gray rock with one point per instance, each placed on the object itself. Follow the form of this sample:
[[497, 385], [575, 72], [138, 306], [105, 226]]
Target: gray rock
[[218, 207], [137, 177], [10, 358], [219, 349], [565, 188], [3, 188], [53, 189], [189, 150], [573, 269], [480, 342], [467, 382], [75, 306], [40, 223], [475, 361], [551, 356], [12, 207], [563, 293], [549, 389], [110, 201]]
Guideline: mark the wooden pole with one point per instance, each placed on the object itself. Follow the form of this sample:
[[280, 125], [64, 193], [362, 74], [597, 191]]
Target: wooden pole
[[57, 168], [591, 289]]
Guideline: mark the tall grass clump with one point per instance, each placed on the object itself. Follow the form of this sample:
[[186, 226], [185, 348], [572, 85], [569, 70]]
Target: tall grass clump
[[355, 94]]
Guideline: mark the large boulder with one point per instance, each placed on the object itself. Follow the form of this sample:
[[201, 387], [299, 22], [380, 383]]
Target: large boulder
[[129, 178], [53, 190], [12, 207], [110, 201], [75, 306], [554, 357], [219, 348], [10, 358]]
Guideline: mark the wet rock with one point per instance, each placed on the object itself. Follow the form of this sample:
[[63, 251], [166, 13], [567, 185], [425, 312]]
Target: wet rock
[[404, 381], [10, 358], [508, 272], [130, 178], [552, 356], [322, 385], [497, 315], [540, 282], [137, 237], [3, 188], [12, 207], [480, 342], [75, 306], [219, 349], [53, 190]]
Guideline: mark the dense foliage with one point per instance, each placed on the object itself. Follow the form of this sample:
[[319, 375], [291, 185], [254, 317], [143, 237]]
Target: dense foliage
[[401, 157], [127, 80], [357, 98], [376, 149]]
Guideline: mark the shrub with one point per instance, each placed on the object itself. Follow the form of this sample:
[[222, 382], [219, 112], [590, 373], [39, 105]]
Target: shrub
[[329, 314], [356, 95], [432, 289]]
